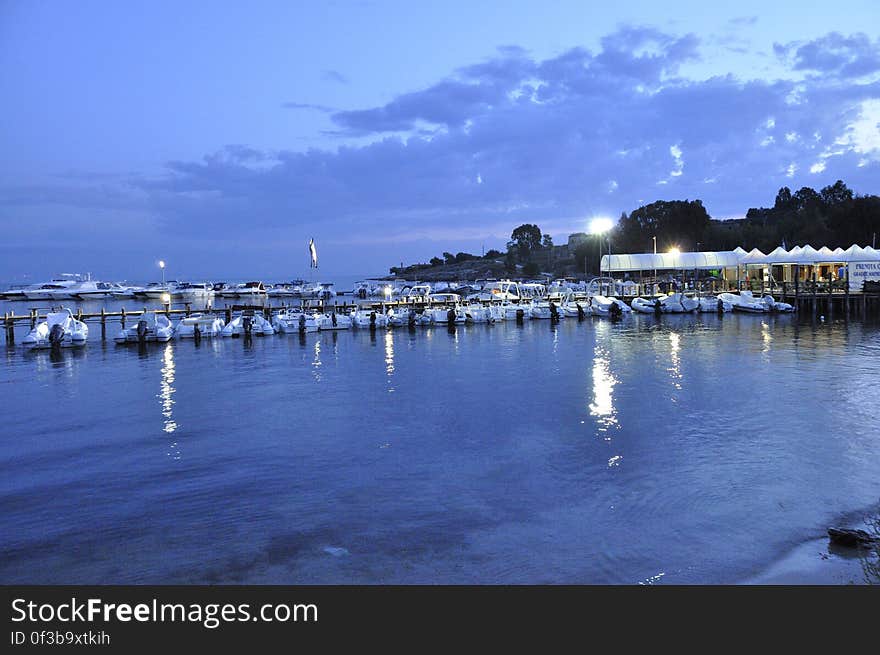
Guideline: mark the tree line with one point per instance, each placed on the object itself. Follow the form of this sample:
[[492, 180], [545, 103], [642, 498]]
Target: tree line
[[833, 216]]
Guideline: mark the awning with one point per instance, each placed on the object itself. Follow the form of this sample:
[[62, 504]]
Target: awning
[[673, 261]]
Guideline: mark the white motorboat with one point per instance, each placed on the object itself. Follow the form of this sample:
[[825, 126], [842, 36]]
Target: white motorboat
[[546, 309], [193, 292], [19, 292], [291, 321], [151, 326], [711, 305], [319, 290], [285, 290], [248, 323], [207, 325], [416, 293], [744, 302], [123, 291], [603, 306], [512, 311], [250, 291], [648, 305], [90, 290], [368, 318], [441, 315], [576, 308], [498, 290], [60, 329], [333, 321], [774, 305], [401, 316], [477, 312], [49, 290], [223, 290], [155, 291], [678, 303]]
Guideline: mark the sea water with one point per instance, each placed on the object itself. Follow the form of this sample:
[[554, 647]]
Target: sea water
[[678, 449]]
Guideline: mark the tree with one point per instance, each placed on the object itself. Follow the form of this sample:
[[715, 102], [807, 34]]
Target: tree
[[547, 241], [531, 269], [677, 223], [449, 257], [836, 194], [465, 257], [436, 261], [783, 199], [493, 254], [525, 240], [510, 261]]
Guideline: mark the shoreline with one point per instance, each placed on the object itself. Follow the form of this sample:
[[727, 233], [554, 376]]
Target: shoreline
[[818, 562]]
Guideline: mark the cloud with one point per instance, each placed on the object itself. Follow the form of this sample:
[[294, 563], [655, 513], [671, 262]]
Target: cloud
[[743, 21], [855, 55], [334, 76], [306, 105]]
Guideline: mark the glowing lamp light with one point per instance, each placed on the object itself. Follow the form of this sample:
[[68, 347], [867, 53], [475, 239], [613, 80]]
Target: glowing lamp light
[[161, 263], [674, 251], [166, 298], [601, 225]]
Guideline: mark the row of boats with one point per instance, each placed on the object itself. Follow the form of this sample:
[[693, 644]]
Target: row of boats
[[63, 329], [74, 288]]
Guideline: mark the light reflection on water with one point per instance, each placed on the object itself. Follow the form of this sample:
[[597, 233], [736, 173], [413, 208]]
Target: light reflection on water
[[505, 453]]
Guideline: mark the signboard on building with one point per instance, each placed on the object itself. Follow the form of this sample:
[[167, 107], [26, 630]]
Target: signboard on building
[[861, 271]]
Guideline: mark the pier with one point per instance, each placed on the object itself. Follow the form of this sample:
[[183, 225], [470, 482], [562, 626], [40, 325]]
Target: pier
[[106, 319], [812, 300]]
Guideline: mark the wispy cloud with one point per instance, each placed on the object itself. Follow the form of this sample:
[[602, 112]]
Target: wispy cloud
[[334, 76], [310, 106]]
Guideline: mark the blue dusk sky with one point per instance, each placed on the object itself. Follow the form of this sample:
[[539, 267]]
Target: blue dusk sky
[[221, 136]]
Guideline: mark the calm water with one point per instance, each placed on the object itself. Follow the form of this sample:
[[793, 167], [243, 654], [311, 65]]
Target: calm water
[[689, 449]]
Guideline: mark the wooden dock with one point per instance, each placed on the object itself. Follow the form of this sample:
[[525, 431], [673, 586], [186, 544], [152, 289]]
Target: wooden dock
[[35, 315]]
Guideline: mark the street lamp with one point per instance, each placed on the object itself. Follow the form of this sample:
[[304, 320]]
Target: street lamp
[[599, 226], [655, 263], [162, 266]]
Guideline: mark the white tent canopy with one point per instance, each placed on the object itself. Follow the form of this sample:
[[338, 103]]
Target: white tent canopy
[[673, 261], [824, 255], [738, 257]]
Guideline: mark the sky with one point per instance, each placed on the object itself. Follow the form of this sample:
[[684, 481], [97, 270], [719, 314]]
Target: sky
[[222, 136]]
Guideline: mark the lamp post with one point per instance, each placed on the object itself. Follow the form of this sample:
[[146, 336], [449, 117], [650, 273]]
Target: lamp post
[[599, 226], [655, 262], [162, 266]]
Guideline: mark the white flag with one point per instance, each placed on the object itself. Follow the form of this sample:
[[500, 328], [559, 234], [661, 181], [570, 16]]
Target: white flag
[[313, 252]]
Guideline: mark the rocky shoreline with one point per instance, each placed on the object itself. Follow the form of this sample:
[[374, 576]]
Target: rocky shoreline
[[825, 560]]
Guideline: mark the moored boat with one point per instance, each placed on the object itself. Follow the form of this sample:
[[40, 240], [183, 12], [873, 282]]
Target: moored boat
[[206, 325], [59, 330], [248, 323], [151, 326]]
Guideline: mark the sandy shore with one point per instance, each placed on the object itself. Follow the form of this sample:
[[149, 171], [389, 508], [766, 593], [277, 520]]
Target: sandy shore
[[816, 562]]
